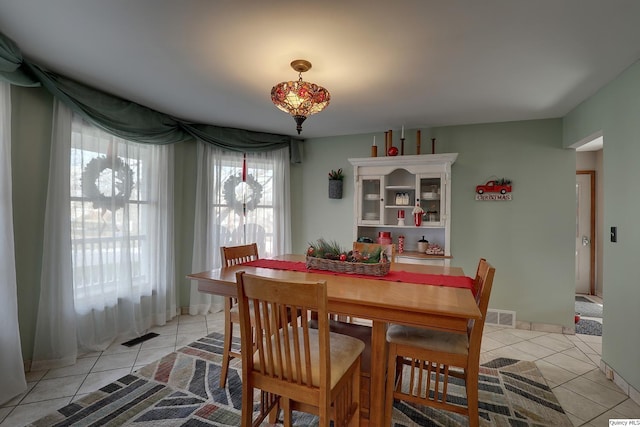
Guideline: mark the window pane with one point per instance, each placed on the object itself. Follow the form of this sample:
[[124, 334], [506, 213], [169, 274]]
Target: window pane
[[244, 209], [109, 200]]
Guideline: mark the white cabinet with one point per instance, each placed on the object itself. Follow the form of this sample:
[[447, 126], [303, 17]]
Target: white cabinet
[[389, 188]]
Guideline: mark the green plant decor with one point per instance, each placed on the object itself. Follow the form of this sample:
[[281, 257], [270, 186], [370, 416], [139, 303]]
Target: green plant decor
[[333, 251], [336, 175]]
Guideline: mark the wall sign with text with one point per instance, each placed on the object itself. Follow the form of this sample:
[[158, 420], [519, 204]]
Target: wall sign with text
[[494, 190]]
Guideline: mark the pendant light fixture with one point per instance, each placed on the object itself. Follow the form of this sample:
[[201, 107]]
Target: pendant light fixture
[[299, 98]]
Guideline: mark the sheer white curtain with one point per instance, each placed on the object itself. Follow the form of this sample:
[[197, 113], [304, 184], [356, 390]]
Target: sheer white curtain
[[55, 342], [231, 210], [11, 364], [108, 269]]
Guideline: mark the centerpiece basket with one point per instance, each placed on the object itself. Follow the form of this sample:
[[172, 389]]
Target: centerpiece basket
[[323, 255], [370, 269]]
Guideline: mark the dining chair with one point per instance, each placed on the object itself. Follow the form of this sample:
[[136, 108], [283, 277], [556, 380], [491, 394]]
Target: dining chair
[[295, 366], [436, 352], [389, 249], [233, 255]]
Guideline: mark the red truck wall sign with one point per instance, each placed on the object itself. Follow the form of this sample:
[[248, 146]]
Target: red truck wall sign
[[498, 189]]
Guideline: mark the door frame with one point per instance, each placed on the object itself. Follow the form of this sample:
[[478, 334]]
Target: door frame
[[592, 229]]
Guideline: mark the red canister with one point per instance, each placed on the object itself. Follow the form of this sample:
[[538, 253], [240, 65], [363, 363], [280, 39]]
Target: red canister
[[384, 237]]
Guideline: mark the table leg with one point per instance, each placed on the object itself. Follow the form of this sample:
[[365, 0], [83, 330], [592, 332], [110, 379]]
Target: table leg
[[379, 350]]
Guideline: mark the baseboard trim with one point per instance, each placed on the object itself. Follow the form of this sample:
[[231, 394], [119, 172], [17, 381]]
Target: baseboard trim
[[622, 384], [545, 327]]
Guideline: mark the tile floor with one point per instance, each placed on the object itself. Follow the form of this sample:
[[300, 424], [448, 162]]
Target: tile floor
[[569, 363]]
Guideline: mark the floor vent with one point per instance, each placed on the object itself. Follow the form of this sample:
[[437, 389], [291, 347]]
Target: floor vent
[[138, 340], [501, 318]]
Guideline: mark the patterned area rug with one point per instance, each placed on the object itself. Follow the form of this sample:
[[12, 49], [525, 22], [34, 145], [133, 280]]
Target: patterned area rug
[[588, 308], [589, 327], [181, 389]]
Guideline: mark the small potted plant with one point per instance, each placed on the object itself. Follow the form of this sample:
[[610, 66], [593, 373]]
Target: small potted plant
[[335, 184]]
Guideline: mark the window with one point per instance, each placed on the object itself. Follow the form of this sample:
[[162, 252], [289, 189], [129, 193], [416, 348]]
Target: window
[[119, 217], [243, 201], [233, 211]]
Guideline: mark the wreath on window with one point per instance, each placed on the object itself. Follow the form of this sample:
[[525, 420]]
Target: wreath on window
[[233, 194], [122, 182]]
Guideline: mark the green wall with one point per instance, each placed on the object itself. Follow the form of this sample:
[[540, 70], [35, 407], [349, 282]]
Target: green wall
[[530, 239], [615, 111], [314, 214]]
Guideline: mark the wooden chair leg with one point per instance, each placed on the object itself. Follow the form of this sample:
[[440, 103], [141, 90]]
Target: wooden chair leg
[[355, 398], [226, 349], [471, 383], [286, 408], [392, 374], [324, 416], [246, 417]]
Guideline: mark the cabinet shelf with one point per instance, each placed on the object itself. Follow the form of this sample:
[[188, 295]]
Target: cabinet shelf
[[400, 187], [420, 255], [407, 225]]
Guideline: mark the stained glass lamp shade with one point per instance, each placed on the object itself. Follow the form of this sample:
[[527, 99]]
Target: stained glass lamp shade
[[299, 98]]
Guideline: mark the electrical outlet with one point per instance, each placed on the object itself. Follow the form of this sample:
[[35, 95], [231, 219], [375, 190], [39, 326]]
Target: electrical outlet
[[614, 234]]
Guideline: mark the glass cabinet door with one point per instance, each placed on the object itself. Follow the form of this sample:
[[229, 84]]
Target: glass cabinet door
[[371, 200], [431, 198]]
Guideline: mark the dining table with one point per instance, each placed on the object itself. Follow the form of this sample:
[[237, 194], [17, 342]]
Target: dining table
[[382, 300]]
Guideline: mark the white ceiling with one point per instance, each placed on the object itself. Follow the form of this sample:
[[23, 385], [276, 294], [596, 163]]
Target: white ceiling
[[417, 63]]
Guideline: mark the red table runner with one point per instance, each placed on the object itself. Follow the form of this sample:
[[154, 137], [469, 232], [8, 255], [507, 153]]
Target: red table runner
[[392, 276]]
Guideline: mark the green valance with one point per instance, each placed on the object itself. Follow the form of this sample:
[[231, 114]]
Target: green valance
[[128, 119], [11, 64]]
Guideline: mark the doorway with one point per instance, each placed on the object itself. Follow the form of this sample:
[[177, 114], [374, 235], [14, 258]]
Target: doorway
[[585, 232], [589, 234]]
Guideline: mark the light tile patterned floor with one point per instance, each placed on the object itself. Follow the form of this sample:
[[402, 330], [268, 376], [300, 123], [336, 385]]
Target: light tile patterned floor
[[569, 363]]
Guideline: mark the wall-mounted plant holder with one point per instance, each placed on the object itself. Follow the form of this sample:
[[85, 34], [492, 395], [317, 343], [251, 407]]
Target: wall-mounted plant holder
[[335, 189], [335, 184]]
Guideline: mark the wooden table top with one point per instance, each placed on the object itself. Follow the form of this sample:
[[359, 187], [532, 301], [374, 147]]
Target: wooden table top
[[370, 298]]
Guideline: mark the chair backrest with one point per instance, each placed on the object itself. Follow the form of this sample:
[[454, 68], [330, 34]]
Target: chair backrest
[[389, 249], [233, 255], [482, 289], [283, 352]]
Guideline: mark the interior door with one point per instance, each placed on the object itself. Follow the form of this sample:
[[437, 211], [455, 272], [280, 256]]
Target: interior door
[[585, 255]]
